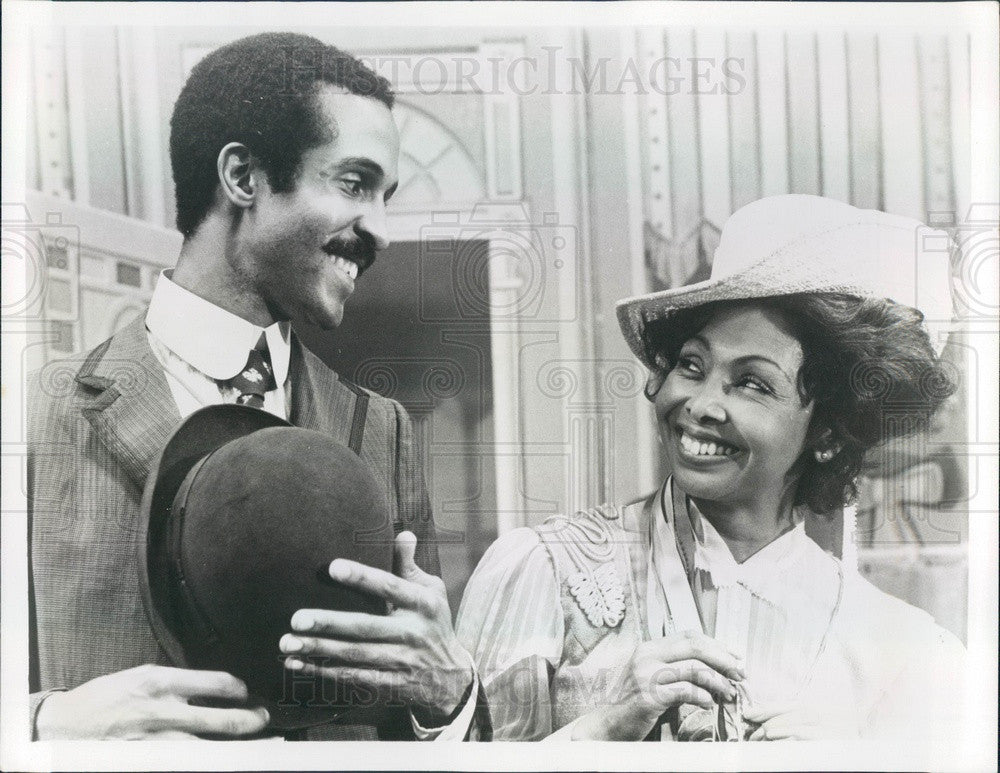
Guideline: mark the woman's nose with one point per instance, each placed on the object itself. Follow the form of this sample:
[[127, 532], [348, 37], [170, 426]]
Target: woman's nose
[[707, 403]]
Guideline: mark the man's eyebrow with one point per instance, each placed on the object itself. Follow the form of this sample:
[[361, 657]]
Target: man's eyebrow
[[368, 167], [365, 164]]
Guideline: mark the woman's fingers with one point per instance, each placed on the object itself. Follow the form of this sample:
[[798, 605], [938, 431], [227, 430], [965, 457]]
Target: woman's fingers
[[695, 645], [783, 731], [676, 693], [759, 712], [697, 673]]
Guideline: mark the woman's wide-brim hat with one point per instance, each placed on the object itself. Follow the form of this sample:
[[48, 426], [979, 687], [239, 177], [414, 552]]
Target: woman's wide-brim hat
[[782, 245], [241, 515]]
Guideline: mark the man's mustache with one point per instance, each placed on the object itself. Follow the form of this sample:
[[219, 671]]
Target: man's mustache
[[360, 250]]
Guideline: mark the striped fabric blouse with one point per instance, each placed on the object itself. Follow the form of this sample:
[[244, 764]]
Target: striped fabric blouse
[[811, 633]]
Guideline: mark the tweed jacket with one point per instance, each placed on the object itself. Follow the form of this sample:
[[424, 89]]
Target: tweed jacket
[[95, 423]]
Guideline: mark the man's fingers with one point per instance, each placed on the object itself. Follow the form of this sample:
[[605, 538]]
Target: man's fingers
[[397, 591], [171, 735], [421, 689], [187, 683], [365, 677], [201, 720], [351, 626], [695, 645], [378, 655], [406, 567], [404, 551]]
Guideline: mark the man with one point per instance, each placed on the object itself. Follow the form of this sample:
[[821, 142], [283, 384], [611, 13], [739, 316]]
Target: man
[[284, 154]]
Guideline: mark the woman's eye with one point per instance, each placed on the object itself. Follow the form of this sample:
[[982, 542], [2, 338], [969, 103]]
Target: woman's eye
[[688, 365], [755, 384]]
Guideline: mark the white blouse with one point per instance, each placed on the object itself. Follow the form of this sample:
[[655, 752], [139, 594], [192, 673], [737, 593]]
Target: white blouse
[[812, 634]]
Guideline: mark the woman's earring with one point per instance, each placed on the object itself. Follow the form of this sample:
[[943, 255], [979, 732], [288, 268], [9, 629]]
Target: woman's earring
[[824, 455]]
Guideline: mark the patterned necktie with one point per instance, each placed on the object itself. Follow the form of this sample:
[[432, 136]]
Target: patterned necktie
[[256, 378]]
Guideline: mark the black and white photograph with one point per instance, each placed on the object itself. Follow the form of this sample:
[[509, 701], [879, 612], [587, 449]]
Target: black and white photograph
[[500, 385]]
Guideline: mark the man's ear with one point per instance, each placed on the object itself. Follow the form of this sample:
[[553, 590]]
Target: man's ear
[[238, 175]]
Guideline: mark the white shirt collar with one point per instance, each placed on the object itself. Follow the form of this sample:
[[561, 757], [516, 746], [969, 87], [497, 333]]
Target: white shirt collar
[[209, 338], [758, 572]]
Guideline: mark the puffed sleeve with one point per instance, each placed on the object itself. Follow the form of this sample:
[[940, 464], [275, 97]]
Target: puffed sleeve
[[926, 700], [511, 621]]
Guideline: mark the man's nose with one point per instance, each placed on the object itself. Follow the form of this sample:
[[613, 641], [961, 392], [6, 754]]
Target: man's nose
[[707, 403], [374, 222]]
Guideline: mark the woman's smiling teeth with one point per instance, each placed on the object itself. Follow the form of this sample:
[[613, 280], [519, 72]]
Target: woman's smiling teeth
[[699, 448], [349, 267]]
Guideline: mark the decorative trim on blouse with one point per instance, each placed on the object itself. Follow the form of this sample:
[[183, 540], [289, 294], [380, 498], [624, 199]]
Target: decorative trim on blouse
[[599, 592]]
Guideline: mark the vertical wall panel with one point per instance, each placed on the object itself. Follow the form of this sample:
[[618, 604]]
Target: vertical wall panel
[[682, 124], [650, 51], [76, 106], [863, 88], [149, 135], [773, 114], [902, 164], [49, 67], [958, 65], [833, 112], [32, 164], [102, 119], [744, 122], [803, 113], [935, 125], [713, 121]]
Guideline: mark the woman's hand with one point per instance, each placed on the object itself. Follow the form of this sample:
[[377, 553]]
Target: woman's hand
[[801, 723], [686, 667]]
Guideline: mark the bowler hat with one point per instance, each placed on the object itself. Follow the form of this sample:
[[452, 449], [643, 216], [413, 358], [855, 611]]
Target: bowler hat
[[795, 243], [241, 515]]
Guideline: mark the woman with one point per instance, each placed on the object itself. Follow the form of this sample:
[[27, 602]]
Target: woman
[[707, 612]]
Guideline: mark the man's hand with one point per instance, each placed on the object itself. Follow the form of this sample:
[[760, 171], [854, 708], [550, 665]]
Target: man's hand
[[148, 702], [412, 653]]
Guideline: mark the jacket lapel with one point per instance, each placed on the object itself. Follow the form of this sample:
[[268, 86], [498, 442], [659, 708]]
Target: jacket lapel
[[319, 400], [131, 409]]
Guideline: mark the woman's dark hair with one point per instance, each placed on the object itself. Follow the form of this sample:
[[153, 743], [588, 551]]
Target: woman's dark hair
[[868, 365], [259, 91]]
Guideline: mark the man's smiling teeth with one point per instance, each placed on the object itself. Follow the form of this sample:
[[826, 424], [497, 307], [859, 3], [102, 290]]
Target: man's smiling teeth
[[349, 267], [697, 448]]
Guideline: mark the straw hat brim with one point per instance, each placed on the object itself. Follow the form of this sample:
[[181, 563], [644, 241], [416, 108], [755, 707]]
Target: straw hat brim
[[635, 313]]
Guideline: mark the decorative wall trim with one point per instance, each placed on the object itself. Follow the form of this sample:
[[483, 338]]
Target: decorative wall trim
[[502, 119], [49, 68]]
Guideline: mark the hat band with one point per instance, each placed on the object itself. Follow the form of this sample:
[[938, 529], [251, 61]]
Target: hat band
[[187, 607]]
